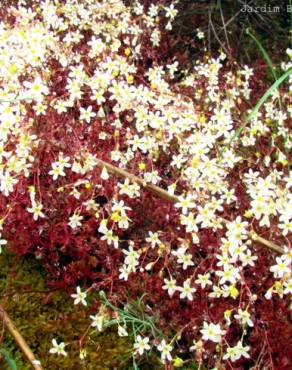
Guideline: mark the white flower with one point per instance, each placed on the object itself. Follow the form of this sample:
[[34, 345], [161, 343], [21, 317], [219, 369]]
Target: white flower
[[36, 89], [224, 259], [104, 174], [153, 239], [86, 114], [186, 291], [229, 273], [120, 207], [230, 290], [58, 348], [122, 331], [152, 177], [212, 332], [141, 344], [131, 190], [132, 257], [189, 222], [217, 292], [269, 293], [97, 46], [206, 216], [153, 10], [285, 225], [183, 257], [56, 171], [288, 287], [234, 353], [63, 162], [74, 221], [79, 297], [281, 268], [138, 8], [228, 196], [7, 183], [172, 68], [247, 258], [61, 106], [237, 225], [36, 209], [197, 346], [83, 354], [171, 189], [165, 350], [170, 286], [102, 226], [244, 317], [111, 238], [203, 280], [125, 271], [97, 321], [170, 12], [177, 161], [200, 34], [185, 203], [246, 72]]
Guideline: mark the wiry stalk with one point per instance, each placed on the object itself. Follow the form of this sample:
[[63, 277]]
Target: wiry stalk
[[163, 194], [19, 339]]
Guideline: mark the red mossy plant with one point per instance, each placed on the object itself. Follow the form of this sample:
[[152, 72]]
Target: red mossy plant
[[78, 256]]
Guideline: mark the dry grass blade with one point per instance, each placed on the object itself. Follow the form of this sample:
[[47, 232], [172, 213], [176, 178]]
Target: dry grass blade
[[19, 340], [163, 194]]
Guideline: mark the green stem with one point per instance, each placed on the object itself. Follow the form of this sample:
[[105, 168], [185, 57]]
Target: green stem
[[260, 102]]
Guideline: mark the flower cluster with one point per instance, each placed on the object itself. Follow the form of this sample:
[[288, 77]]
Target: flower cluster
[[88, 93]]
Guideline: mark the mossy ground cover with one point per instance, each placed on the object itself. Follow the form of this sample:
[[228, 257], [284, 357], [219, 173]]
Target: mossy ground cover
[[146, 171], [41, 315]]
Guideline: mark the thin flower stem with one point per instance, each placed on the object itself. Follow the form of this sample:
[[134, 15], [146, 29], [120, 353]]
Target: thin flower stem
[[129, 317], [19, 339], [163, 194]]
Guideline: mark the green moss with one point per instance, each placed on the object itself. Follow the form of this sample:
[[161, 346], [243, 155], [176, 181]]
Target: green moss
[[41, 315]]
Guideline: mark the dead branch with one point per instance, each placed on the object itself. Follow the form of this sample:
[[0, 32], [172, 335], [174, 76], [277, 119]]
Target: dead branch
[[163, 194], [19, 340]]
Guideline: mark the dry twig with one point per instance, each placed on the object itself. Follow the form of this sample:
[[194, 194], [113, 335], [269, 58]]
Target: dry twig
[[19, 340], [163, 194]]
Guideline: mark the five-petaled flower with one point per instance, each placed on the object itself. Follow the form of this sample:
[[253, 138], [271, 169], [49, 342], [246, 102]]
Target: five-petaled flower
[[165, 349], [212, 332], [58, 348], [141, 345], [79, 296]]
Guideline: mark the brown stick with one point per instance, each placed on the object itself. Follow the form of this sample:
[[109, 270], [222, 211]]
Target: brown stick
[[19, 339], [163, 194]]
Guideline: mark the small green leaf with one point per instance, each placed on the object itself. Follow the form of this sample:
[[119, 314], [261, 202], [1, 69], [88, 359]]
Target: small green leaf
[[11, 363]]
